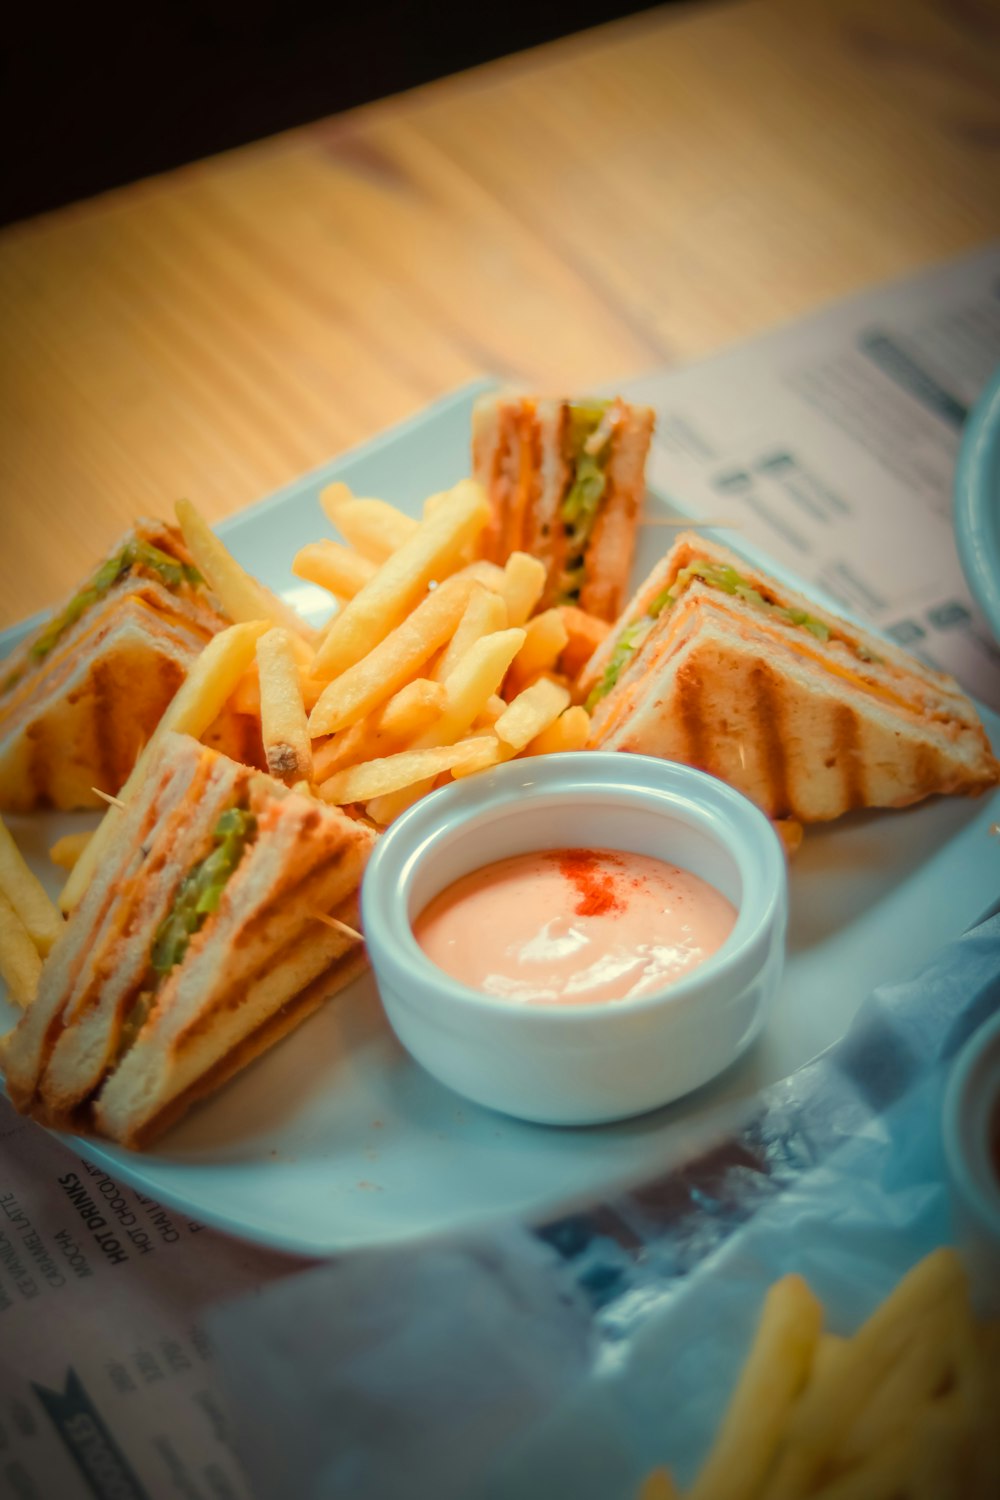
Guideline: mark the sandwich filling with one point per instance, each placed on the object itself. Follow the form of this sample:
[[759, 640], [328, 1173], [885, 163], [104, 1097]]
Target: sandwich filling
[[135, 554], [717, 575], [197, 896], [590, 430]]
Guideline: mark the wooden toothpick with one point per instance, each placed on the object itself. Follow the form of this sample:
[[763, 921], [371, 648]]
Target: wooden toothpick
[[337, 925], [107, 797]]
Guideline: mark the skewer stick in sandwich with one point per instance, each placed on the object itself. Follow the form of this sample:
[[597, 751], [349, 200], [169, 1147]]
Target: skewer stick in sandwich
[[716, 664], [195, 947], [565, 480]]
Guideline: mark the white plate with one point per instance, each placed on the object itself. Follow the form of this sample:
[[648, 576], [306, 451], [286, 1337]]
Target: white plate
[[336, 1139]]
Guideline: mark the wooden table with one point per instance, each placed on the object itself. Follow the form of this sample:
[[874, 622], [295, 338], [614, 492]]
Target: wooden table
[[633, 197]]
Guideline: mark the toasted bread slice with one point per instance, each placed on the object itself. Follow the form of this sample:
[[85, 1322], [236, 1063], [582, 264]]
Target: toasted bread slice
[[809, 715]]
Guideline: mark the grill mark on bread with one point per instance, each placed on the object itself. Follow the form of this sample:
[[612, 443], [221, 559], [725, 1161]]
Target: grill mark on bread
[[927, 771], [766, 693], [103, 694], [39, 764], [288, 895], [846, 734], [692, 715]]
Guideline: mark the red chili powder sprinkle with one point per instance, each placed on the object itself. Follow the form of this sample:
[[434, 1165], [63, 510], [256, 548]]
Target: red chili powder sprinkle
[[596, 887]]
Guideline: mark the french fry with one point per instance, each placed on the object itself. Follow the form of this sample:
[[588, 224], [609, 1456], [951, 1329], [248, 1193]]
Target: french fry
[[334, 567], [924, 1364], [196, 704], [401, 581], [924, 1422], [531, 712], [584, 633], [245, 599], [831, 1402], [66, 851], [470, 552], [246, 694], [375, 778], [523, 582], [790, 831], [283, 726], [545, 637], [473, 682], [412, 709], [488, 752], [484, 613], [374, 528], [881, 1476], [569, 732], [489, 574], [941, 1451], [772, 1377], [397, 657], [469, 686], [490, 712], [827, 1350], [388, 728], [26, 895], [20, 960], [311, 689]]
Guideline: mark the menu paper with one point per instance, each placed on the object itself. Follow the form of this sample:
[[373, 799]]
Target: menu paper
[[831, 445], [107, 1382]]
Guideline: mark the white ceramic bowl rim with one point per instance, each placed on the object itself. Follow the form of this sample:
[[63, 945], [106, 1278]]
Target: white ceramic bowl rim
[[677, 790], [977, 502], [966, 1121]]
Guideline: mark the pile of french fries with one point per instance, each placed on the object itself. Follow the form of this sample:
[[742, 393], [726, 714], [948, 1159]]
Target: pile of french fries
[[905, 1409], [434, 665]]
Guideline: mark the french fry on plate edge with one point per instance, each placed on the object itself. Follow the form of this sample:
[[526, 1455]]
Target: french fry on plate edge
[[243, 597], [26, 896], [20, 960], [374, 528], [66, 851], [331, 566]]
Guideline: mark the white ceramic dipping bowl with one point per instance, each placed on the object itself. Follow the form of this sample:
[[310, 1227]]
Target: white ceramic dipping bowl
[[579, 1064], [971, 1100]]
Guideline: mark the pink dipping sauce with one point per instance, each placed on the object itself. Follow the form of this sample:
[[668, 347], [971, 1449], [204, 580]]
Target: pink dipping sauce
[[574, 926]]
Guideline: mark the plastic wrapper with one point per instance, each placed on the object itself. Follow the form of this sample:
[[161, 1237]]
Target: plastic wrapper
[[570, 1358]]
